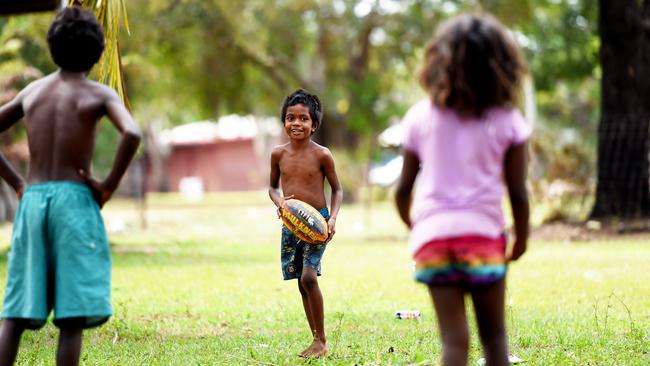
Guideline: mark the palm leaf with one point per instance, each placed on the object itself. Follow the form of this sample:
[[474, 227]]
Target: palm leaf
[[110, 14]]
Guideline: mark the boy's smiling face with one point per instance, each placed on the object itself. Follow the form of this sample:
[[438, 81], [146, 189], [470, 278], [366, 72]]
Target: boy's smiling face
[[298, 123]]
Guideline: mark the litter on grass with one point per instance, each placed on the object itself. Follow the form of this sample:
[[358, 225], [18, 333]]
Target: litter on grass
[[407, 314], [512, 359]]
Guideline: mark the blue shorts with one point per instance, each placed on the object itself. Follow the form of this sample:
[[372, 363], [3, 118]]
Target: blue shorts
[[296, 254], [59, 259]]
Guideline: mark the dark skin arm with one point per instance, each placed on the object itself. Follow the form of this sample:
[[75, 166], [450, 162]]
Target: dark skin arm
[[11, 113], [130, 139], [403, 195], [515, 177], [274, 185], [327, 162]]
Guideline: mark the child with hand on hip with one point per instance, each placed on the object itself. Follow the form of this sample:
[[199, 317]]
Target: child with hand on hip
[[60, 258]]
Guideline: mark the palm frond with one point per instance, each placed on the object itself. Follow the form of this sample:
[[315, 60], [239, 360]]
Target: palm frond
[[110, 14]]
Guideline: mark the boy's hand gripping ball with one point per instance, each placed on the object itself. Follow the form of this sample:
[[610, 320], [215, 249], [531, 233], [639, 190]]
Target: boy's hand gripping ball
[[304, 221]]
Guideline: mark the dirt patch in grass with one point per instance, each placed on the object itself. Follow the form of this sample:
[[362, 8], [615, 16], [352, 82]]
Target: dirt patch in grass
[[593, 230]]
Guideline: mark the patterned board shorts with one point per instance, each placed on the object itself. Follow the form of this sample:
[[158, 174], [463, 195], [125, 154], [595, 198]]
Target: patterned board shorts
[[297, 254], [461, 261]]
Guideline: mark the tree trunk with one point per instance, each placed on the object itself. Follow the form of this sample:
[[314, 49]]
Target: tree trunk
[[622, 188]]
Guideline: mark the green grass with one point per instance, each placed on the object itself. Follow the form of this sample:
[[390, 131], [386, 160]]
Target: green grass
[[201, 285]]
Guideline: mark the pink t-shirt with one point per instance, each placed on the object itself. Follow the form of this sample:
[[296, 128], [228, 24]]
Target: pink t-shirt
[[459, 188]]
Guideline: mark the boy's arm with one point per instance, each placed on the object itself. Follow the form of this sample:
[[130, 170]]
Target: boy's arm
[[11, 176], [404, 191], [11, 113], [130, 139], [274, 183], [337, 191], [515, 177]]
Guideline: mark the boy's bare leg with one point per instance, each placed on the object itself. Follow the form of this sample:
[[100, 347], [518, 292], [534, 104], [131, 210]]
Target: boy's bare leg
[[449, 303], [70, 336], [307, 307], [10, 333], [489, 308], [309, 283]]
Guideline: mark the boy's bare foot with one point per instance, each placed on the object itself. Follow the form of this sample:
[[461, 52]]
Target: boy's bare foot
[[307, 350], [316, 349]]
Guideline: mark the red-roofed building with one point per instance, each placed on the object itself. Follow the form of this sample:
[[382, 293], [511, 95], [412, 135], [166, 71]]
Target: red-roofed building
[[229, 155]]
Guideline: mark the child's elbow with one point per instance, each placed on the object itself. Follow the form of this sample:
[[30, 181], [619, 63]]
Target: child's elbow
[[132, 137], [339, 192], [519, 198]]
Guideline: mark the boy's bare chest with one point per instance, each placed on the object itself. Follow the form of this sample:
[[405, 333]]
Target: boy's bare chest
[[300, 166]]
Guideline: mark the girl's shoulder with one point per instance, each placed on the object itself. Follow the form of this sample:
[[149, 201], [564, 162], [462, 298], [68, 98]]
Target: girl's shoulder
[[505, 117], [423, 110], [509, 124], [421, 107], [505, 113]]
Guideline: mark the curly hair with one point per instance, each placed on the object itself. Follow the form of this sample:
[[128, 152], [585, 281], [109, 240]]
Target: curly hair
[[302, 96], [472, 64], [76, 39]]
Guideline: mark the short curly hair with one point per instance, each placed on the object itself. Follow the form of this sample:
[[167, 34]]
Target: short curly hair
[[76, 39], [302, 96], [472, 64]]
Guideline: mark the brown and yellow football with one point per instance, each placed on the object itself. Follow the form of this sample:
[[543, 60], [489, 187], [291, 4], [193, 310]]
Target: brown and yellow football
[[305, 222]]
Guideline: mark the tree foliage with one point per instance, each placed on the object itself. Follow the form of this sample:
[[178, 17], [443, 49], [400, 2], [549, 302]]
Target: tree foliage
[[220, 57], [110, 14], [193, 60], [189, 60]]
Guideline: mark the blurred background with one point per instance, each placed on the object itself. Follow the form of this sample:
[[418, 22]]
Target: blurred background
[[194, 236], [205, 80]]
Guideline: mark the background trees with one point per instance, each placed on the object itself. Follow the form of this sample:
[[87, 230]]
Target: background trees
[[189, 60], [625, 110], [214, 57]]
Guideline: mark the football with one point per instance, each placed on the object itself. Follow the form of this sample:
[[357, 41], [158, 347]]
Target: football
[[304, 221]]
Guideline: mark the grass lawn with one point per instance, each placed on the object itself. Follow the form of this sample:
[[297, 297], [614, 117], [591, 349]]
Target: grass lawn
[[202, 285]]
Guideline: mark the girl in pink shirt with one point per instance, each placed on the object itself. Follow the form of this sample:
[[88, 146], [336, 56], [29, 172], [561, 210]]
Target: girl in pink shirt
[[462, 143]]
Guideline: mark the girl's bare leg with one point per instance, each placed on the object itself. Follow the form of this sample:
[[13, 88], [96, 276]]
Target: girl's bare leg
[[489, 308], [449, 303]]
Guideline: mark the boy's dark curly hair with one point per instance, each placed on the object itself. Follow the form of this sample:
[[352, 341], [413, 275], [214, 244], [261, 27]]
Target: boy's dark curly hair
[[76, 39], [472, 64], [302, 96]]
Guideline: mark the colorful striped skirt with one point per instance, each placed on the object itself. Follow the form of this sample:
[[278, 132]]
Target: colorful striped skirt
[[464, 261]]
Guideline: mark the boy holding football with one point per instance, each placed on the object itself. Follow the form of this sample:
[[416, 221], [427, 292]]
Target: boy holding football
[[303, 165]]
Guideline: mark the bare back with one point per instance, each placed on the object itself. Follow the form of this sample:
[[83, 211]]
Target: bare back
[[61, 115]]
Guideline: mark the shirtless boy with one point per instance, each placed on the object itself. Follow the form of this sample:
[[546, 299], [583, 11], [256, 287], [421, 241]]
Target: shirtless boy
[[302, 166], [60, 259]]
